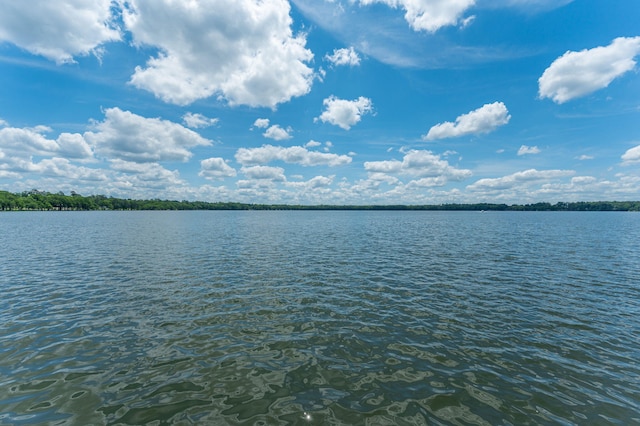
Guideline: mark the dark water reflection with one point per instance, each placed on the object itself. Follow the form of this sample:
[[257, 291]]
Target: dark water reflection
[[319, 318]]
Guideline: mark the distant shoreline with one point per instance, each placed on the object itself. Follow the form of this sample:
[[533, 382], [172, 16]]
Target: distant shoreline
[[44, 201]]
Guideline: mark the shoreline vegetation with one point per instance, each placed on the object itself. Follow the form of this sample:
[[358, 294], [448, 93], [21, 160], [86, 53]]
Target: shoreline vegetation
[[35, 200]]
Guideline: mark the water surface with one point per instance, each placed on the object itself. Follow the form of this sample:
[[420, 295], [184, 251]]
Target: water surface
[[328, 317]]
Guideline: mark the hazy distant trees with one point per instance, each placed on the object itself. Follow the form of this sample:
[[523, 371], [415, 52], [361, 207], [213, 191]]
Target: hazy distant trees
[[41, 200]]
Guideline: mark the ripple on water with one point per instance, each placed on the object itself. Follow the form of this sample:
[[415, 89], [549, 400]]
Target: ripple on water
[[320, 318]]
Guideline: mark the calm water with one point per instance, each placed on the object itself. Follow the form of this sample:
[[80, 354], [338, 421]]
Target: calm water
[[286, 317]]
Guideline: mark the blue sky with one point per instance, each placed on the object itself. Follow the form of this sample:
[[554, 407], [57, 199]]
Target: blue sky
[[322, 101]]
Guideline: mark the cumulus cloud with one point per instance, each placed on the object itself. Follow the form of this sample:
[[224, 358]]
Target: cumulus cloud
[[25, 141], [274, 132], [58, 30], [344, 57], [277, 133], [274, 174], [421, 164], [312, 144], [261, 123], [127, 136], [582, 180], [215, 168], [429, 15], [344, 113], [632, 156], [293, 155], [317, 182], [429, 182], [518, 179], [21, 142], [577, 74], [482, 120], [198, 121], [22, 151], [55, 167], [73, 145], [144, 177], [149, 172], [129, 142], [525, 150], [241, 50]]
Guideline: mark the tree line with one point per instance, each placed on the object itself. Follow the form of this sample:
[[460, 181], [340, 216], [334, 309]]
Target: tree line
[[45, 201]]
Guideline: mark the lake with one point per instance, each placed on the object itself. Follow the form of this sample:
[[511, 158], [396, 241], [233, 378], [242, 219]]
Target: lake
[[319, 317]]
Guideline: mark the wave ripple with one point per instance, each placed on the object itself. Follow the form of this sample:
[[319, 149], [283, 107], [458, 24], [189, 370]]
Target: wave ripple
[[319, 318]]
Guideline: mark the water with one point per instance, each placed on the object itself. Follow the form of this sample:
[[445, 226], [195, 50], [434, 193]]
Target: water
[[290, 317]]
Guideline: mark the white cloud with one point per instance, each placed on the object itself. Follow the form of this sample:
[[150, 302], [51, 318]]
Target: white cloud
[[344, 57], [429, 182], [58, 30], [152, 174], [273, 132], [259, 189], [261, 123], [389, 40], [518, 179], [582, 180], [277, 133], [292, 155], [6, 174], [215, 168], [384, 166], [429, 15], [419, 163], [344, 113], [376, 178], [145, 178], [482, 120], [525, 150], [127, 136], [198, 121], [274, 174], [312, 144], [242, 50], [317, 182], [73, 145], [55, 167], [585, 157], [467, 21], [632, 156], [577, 74], [64, 168], [23, 142]]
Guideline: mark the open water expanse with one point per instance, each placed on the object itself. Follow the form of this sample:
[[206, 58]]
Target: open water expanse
[[319, 317]]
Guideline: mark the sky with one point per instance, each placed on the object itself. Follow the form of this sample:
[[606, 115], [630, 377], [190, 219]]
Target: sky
[[322, 101]]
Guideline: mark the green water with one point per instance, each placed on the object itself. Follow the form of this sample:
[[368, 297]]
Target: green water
[[319, 318]]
